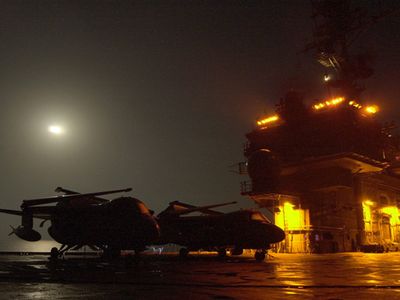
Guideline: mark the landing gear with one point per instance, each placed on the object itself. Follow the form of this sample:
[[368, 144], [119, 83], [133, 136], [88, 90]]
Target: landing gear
[[183, 252], [54, 254], [111, 253], [260, 255], [221, 252], [237, 251], [57, 253], [130, 259]]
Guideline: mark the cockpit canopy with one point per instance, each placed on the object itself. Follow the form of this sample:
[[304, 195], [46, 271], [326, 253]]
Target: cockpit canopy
[[258, 216], [129, 203]]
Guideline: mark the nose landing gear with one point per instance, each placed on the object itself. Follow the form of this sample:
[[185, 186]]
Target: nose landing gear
[[57, 253], [221, 252], [183, 252], [260, 255], [54, 254]]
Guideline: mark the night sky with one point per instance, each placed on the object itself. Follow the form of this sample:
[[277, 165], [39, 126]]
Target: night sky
[[154, 95]]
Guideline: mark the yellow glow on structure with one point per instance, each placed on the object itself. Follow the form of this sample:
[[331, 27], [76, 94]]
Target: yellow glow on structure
[[296, 224], [368, 202], [367, 216], [289, 218], [329, 103], [372, 109], [268, 120], [393, 211]]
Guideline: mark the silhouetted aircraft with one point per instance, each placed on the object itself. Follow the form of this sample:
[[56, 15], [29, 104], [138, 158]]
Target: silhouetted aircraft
[[238, 230], [85, 219]]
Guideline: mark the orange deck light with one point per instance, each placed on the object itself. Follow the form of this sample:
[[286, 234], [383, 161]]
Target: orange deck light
[[371, 109], [332, 102], [268, 120]]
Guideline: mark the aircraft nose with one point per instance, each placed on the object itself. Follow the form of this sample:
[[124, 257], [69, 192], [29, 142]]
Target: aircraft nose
[[276, 234], [152, 228]]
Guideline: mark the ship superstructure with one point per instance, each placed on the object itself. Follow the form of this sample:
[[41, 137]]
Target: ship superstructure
[[328, 171]]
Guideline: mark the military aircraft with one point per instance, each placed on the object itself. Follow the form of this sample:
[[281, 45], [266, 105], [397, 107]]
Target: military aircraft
[[238, 230], [86, 219]]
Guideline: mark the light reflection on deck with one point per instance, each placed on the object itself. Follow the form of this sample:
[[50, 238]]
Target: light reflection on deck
[[352, 275]]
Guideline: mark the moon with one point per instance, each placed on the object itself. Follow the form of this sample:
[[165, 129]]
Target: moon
[[55, 129]]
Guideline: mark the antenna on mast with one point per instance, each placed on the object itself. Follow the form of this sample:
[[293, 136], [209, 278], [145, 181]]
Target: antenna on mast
[[337, 25]]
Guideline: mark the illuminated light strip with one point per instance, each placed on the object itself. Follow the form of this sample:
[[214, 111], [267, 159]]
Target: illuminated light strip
[[355, 104], [268, 120], [372, 109], [332, 102]]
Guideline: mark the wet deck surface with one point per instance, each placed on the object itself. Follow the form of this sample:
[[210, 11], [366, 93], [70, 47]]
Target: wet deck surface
[[283, 276]]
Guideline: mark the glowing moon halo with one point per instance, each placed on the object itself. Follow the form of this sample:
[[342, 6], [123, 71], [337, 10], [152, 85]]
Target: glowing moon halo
[[55, 129]]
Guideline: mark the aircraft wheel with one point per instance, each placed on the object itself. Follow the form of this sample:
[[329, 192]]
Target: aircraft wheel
[[259, 256], [111, 253], [183, 252], [115, 253], [237, 251], [130, 259], [54, 253], [221, 252]]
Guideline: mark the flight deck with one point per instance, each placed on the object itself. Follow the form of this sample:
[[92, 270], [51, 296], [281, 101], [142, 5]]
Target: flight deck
[[203, 276]]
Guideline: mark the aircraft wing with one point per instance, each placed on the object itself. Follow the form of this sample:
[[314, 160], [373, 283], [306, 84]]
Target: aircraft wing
[[39, 201], [205, 208], [11, 212], [60, 189], [181, 206], [43, 213], [177, 208]]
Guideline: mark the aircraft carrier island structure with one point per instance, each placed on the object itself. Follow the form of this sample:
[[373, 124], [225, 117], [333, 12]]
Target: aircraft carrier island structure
[[329, 173]]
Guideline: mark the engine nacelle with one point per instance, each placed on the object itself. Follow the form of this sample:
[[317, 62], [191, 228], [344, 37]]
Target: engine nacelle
[[27, 234], [237, 251]]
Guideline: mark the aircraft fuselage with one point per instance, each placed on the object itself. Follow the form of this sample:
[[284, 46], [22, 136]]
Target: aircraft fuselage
[[235, 229], [123, 223]]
